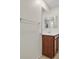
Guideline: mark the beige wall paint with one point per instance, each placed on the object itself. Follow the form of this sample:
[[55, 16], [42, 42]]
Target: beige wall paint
[[30, 10], [30, 32]]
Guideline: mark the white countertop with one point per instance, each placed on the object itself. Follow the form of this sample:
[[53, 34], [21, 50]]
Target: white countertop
[[50, 33]]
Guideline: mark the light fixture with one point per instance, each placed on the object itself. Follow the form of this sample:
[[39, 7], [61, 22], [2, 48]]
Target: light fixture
[[39, 2], [42, 4]]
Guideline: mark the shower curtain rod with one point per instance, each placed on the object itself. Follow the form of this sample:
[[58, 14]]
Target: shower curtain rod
[[25, 20], [28, 21]]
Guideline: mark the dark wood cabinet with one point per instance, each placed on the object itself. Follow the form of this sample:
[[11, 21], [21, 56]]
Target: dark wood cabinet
[[49, 45], [57, 44]]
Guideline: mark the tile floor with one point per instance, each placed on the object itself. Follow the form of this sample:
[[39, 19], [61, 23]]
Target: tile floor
[[44, 57]]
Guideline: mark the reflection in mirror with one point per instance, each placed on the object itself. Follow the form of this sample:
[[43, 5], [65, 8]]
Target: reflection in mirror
[[51, 22], [46, 23]]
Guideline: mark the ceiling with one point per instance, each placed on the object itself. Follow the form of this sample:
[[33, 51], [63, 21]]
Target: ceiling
[[52, 3]]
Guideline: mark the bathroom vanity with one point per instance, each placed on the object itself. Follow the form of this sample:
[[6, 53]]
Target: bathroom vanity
[[50, 34], [50, 45]]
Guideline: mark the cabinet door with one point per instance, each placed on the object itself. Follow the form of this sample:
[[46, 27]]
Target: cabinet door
[[45, 45], [57, 44], [48, 46], [51, 46]]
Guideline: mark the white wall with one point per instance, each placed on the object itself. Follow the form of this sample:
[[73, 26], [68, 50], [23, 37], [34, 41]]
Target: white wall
[[30, 10], [52, 31], [31, 47], [30, 42]]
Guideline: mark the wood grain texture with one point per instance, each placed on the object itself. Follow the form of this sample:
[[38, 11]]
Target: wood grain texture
[[48, 46]]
